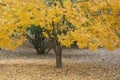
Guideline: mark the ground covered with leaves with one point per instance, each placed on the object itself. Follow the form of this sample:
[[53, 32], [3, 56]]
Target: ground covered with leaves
[[25, 64]]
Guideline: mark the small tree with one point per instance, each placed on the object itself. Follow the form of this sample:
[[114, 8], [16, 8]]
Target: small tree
[[36, 36]]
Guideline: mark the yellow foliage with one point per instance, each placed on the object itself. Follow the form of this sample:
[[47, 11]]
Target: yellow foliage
[[92, 46], [65, 40], [45, 34], [89, 24]]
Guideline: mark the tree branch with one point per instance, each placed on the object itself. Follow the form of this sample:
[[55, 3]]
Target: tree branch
[[61, 3], [30, 39], [82, 1], [3, 4]]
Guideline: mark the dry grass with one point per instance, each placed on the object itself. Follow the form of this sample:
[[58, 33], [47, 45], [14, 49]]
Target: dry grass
[[24, 64], [38, 71]]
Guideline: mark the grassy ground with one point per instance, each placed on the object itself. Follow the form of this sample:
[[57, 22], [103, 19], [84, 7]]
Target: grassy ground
[[47, 71], [24, 64]]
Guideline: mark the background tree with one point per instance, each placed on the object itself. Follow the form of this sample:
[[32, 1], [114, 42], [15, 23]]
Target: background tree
[[36, 36]]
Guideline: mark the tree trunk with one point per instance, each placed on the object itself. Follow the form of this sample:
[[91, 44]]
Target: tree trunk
[[59, 59], [58, 53], [56, 46]]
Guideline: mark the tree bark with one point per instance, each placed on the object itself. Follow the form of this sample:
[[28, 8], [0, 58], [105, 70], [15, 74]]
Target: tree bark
[[56, 46], [58, 53]]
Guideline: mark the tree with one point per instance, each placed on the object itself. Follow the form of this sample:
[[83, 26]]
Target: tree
[[92, 24], [36, 36]]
